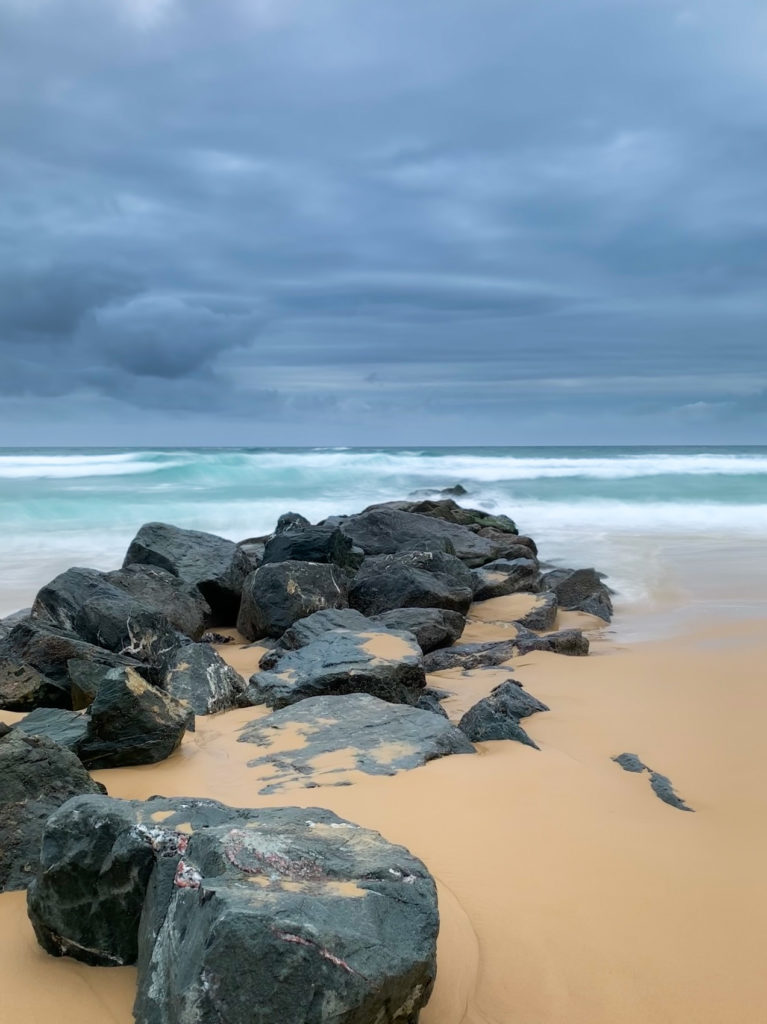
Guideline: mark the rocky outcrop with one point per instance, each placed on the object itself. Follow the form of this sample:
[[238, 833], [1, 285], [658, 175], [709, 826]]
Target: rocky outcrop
[[217, 567], [277, 595], [344, 926], [491, 654], [36, 777], [199, 677], [505, 576], [313, 544], [414, 579], [497, 717], [385, 664], [180, 602], [580, 590], [432, 627], [376, 737]]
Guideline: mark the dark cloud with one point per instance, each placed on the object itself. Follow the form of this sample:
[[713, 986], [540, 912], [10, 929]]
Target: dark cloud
[[320, 217]]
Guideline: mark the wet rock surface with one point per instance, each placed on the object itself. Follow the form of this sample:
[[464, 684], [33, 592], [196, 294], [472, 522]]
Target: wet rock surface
[[488, 655], [159, 590], [580, 590], [199, 677], [377, 738], [660, 784], [412, 579], [313, 544], [432, 627], [305, 630], [67, 728], [497, 716], [505, 576], [386, 664], [543, 615], [277, 595]]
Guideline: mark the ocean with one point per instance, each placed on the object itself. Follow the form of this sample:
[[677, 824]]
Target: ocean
[[633, 512]]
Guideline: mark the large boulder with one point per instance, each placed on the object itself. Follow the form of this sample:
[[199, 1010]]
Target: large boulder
[[384, 531], [343, 928], [386, 664], [580, 590], [84, 602], [497, 717], [305, 630], [199, 677], [451, 512], [277, 595], [131, 722], [432, 627], [411, 579], [36, 777], [375, 736], [180, 602], [313, 544], [504, 576], [490, 654], [35, 659], [216, 566]]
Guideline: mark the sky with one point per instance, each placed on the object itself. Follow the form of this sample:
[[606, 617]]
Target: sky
[[279, 222]]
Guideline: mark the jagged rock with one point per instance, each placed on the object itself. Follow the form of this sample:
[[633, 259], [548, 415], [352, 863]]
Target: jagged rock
[[36, 777], [504, 576], [386, 664], [305, 630], [7, 623], [66, 728], [580, 590], [199, 677], [377, 738], [180, 602], [345, 922], [431, 701], [216, 566], [497, 717], [291, 522], [84, 602], [34, 665], [432, 627], [277, 595], [131, 722], [323, 544], [487, 655], [660, 784], [543, 614], [451, 512], [411, 580], [253, 548]]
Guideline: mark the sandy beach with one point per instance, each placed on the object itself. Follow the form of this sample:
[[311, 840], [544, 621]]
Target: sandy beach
[[568, 892]]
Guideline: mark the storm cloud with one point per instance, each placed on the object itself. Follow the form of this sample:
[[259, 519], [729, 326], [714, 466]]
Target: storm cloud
[[329, 222]]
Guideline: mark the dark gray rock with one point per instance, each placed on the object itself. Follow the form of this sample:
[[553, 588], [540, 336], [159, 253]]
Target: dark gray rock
[[85, 603], [411, 580], [497, 717], [378, 738], [386, 664], [85, 678], [488, 655], [66, 728], [36, 777], [34, 665], [580, 590], [432, 627], [571, 642], [543, 614], [660, 784], [216, 566], [508, 546], [7, 623], [430, 701], [451, 512], [277, 595], [504, 576], [305, 630], [180, 602], [199, 677], [253, 548], [131, 722], [322, 544], [291, 522], [631, 763]]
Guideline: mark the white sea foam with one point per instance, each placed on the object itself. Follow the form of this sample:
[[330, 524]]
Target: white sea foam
[[42, 467]]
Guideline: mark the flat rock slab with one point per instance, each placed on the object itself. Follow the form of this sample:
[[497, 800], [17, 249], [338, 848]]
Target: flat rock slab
[[367, 735], [488, 655], [384, 663]]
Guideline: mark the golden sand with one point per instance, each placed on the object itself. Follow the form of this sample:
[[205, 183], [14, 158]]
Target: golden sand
[[569, 894]]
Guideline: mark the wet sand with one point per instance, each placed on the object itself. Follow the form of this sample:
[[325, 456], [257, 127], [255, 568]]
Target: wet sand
[[569, 893]]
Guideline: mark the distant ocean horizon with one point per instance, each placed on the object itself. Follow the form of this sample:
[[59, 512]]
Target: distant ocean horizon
[[584, 505]]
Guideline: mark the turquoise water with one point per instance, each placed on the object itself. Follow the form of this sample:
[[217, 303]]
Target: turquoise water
[[60, 507]]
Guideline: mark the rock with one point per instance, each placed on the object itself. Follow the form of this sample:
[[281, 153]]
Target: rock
[[36, 777], [291, 522], [487, 655], [253, 549], [660, 784], [7, 624], [216, 566], [322, 544], [34, 665], [131, 722], [497, 717], [571, 642], [432, 627], [451, 512], [376, 737], [66, 728], [543, 614], [580, 590], [508, 546], [180, 602], [344, 926], [502, 577], [305, 630], [386, 664], [277, 595], [199, 677], [84, 602], [86, 677], [430, 701], [411, 580], [385, 531]]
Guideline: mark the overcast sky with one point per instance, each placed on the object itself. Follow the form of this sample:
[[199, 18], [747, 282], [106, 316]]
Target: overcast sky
[[258, 222]]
